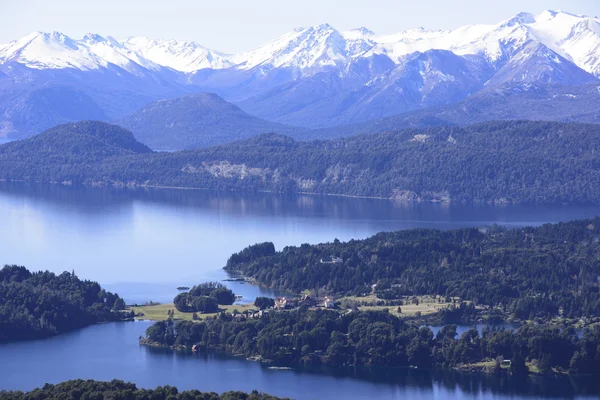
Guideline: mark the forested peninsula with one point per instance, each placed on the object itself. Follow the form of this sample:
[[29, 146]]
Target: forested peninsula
[[492, 162], [545, 274], [89, 389], [36, 305], [371, 338], [527, 273]]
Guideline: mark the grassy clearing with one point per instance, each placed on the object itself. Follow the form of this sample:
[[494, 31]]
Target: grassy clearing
[[159, 312], [409, 310], [427, 305]]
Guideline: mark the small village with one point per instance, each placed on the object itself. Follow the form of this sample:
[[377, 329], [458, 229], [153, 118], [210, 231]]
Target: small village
[[291, 303], [287, 303]]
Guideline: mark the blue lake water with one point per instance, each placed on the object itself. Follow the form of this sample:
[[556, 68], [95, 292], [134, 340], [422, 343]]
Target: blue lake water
[[109, 351], [145, 243]]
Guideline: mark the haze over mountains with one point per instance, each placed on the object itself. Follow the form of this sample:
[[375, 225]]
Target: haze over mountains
[[314, 77]]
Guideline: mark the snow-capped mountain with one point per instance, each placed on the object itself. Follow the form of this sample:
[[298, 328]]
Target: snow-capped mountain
[[57, 51], [313, 77], [573, 37], [181, 56], [306, 48]]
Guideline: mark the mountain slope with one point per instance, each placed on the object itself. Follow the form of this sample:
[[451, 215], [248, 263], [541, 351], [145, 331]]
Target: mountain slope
[[197, 120], [498, 162], [312, 77], [72, 148], [328, 99], [560, 103], [29, 112]]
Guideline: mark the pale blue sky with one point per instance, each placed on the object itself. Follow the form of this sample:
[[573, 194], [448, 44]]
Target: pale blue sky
[[234, 26]]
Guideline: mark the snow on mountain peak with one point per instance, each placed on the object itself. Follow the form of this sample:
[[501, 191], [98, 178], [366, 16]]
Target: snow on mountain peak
[[364, 31], [181, 56], [521, 18], [573, 37], [42, 50], [93, 38], [315, 46]]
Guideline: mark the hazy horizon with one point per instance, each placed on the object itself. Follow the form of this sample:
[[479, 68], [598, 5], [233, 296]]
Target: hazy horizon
[[235, 27]]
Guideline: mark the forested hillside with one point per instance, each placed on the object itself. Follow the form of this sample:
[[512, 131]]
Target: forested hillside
[[196, 120], [81, 389], [497, 162], [529, 272], [40, 304]]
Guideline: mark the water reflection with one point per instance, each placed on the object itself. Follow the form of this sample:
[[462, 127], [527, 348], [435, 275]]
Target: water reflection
[[446, 384]]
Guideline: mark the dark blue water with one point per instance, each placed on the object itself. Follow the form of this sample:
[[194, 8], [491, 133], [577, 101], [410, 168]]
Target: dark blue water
[[111, 351], [145, 243]]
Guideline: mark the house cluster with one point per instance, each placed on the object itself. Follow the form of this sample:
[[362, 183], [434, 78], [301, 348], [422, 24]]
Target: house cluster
[[287, 303], [252, 314]]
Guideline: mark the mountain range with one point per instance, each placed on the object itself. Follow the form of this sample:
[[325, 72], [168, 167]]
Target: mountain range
[[315, 77]]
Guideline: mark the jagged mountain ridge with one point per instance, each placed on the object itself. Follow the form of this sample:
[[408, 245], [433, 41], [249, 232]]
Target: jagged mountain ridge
[[312, 77], [571, 36]]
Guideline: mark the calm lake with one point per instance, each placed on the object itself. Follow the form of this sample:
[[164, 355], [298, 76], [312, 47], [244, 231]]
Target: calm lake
[[144, 243], [111, 351]]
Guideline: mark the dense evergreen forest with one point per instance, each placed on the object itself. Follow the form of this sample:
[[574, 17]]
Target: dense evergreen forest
[[378, 338], [500, 162], [119, 390], [40, 304], [544, 271], [204, 298]]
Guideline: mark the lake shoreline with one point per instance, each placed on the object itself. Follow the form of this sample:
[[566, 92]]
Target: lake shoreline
[[500, 203], [469, 369]]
